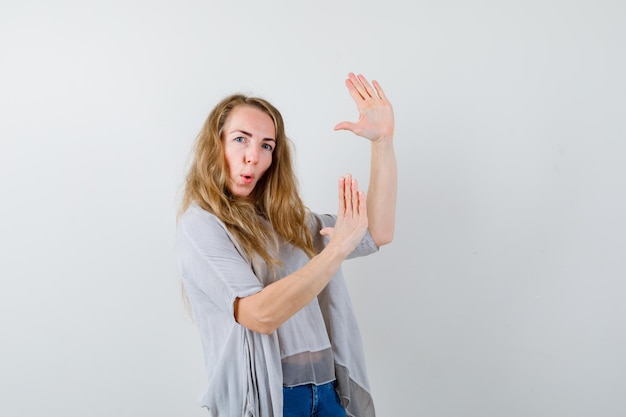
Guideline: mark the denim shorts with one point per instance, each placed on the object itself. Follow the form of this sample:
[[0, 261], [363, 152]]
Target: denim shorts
[[312, 401]]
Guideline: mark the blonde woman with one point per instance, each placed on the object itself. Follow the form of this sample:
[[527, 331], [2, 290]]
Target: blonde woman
[[263, 274]]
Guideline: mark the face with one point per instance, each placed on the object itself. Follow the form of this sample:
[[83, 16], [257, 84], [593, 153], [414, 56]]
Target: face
[[249, 139]]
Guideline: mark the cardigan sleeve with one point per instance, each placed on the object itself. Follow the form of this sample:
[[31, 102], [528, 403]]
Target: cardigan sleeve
[[211, 260], [244, 374]]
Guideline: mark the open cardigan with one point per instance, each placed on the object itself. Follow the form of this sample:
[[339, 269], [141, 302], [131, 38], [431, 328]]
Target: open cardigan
[[244, 373]]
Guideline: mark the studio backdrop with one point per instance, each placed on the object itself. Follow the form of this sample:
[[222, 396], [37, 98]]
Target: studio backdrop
[[502, 293]]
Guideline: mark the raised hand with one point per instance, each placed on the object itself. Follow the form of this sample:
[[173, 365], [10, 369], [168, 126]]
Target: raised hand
[[376, 120], [352, 222]]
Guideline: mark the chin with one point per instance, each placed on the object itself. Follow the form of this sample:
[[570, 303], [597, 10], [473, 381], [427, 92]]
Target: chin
[[242, 193]]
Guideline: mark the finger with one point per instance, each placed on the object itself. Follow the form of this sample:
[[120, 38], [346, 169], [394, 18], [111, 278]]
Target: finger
[[342, 200], [358, 86], [348, 194], [354, 92], [379, 90], [366, 85], [355, 197], [362, 204]]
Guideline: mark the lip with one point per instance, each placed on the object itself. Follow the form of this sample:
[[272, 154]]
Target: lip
[[247, 178]]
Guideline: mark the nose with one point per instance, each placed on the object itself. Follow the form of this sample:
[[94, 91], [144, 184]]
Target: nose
[[252, 155]]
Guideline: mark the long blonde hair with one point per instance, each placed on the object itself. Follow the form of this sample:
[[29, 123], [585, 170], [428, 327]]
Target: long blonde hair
[[275, 198]]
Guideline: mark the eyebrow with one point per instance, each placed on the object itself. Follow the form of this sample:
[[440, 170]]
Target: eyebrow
[[248, 134]]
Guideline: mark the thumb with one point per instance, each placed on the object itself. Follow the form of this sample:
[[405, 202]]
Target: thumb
[[327, 231], [344, 126]]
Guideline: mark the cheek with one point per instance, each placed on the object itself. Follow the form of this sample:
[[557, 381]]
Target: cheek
[[267, 163], [228, 158], [270, 160]]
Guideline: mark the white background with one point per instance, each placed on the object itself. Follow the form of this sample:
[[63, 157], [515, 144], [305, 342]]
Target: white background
[[503, 292]]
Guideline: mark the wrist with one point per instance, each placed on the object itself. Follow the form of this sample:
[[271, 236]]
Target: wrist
[[336, 251], [384, 139]]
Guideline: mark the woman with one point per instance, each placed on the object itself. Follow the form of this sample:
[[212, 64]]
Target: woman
[[262, 273]]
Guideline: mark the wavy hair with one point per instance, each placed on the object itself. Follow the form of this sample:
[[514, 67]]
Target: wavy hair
[[274, 200]]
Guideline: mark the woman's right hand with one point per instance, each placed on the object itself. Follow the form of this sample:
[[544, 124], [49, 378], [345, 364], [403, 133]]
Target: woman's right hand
[[351, 223]]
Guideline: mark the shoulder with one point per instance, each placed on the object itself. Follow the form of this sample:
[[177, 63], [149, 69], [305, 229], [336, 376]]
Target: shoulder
[[201, 233], [201, 227], [317, 221], [195, 217], [196, 214]]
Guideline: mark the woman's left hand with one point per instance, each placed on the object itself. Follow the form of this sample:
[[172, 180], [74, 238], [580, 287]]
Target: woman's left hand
[[375, 111]]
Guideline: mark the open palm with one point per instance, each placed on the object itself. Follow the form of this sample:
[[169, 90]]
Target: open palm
[[375, 112]]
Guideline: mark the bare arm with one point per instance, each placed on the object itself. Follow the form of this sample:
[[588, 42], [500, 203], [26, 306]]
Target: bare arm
[[266, 310], [376, 123]]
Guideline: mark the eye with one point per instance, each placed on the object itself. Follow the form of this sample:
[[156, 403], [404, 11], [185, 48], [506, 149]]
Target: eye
[[268, 147], [240, 139]]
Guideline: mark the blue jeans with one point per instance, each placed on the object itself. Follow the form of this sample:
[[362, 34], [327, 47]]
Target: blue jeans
[[312, 401]]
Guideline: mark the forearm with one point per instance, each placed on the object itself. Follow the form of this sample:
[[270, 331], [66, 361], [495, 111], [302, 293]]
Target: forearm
[[266, 310], [382, 191]]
